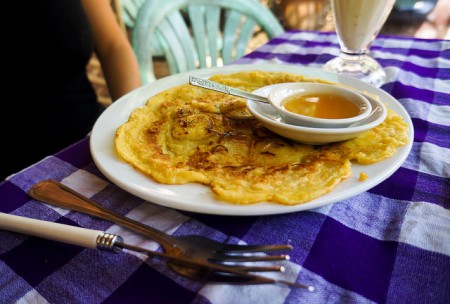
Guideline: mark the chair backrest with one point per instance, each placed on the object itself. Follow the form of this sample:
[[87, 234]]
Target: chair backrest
[[129, 11], [195, 34]]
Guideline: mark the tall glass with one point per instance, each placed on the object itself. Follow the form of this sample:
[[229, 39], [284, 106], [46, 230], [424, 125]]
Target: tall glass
[[357, 24]]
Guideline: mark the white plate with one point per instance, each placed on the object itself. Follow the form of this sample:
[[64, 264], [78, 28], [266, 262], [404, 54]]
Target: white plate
[[198, 198]]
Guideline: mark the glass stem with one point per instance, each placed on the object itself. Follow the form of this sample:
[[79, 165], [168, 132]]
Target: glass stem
[[350, 57]]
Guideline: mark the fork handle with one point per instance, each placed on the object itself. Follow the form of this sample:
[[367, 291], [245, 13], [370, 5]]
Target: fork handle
[[88, 238], [55, 193]]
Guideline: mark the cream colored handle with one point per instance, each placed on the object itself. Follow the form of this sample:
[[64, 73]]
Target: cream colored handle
[[52, 231]]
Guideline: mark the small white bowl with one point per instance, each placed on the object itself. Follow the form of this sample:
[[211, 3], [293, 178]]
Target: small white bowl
[[272, 120], [283, 92]]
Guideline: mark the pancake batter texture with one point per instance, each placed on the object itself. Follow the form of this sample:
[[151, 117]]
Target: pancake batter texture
[[188, 134]]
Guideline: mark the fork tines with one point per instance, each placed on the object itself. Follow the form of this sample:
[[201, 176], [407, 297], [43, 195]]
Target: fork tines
[[230, 248]]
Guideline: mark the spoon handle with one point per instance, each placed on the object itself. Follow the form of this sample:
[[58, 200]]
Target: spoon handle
[[55, 193], [215, 86]]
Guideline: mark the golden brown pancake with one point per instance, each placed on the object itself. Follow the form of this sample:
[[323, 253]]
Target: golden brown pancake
[[187, 134]]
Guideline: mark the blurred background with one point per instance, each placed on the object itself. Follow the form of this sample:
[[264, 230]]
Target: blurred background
[[423, 19], [427, 19]]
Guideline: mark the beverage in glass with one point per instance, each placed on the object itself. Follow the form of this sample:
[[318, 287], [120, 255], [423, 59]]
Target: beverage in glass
[[357, 23]]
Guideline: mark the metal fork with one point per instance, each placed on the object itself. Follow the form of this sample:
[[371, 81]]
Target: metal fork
[[96, 239], [190, 246]]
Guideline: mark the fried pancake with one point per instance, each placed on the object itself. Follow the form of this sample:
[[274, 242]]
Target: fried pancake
[[187, 134], [376, 144]]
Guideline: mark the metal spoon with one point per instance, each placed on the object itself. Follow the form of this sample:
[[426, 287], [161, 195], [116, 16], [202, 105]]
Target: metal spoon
[[215, 86]]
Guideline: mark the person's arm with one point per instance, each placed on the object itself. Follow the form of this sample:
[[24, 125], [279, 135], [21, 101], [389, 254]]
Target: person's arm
[[119, 63]]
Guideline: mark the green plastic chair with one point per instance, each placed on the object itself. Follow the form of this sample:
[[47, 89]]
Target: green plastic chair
[[129, 12], [195, 34], [130, 9]]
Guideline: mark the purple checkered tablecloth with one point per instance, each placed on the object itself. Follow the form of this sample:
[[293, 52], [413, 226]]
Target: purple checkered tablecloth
[[390, 244]]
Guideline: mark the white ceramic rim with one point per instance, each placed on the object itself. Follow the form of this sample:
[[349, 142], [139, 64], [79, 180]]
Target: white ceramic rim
[[315, 87], [252, 107]]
